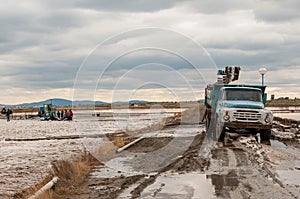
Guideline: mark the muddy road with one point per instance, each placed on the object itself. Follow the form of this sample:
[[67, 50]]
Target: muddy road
[[243, 168]]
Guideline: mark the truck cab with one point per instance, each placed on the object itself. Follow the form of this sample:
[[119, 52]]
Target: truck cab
[[241, 110]]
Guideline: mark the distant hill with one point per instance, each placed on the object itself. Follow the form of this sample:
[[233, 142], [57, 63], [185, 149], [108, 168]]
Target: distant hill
[[64, 102], [131, 102], [88, 102], [56, 102], [137, 102]]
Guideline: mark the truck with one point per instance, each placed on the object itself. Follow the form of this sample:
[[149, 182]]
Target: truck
[[236, 108]]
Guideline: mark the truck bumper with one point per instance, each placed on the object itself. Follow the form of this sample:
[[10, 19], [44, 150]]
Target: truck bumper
[[246, 125]]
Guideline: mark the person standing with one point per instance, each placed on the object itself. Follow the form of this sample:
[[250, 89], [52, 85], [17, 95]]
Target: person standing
[[8, 113], [70, 115], [62, 115]]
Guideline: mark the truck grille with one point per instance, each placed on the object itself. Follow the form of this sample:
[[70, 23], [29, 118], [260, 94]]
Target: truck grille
[[248, 115]]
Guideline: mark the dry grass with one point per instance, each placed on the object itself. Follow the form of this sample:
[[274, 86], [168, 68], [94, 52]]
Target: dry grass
[[71, 173]]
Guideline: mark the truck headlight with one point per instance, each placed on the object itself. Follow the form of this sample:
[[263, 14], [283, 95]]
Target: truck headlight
[[226, 117], [268, 118]]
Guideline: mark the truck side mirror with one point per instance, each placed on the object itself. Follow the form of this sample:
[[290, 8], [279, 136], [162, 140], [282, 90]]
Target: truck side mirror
[[265, 98]]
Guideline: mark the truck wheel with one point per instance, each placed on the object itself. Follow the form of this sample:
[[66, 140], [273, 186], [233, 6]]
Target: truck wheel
[[207, 119], [207, 122], [222, 135], [256, 137], [254, 133], [220, 131], [265, 136]]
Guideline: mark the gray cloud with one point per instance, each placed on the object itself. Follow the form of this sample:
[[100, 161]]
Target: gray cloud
[[264, 10], [277, 11], [216, 7], [127, 5], [40, 77]]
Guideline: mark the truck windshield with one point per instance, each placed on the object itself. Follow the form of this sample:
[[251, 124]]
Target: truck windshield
[[250, 95]]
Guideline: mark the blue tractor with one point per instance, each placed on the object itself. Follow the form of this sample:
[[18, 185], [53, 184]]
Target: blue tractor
[[48, 112]]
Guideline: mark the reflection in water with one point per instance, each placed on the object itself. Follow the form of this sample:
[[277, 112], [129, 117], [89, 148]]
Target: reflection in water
[[224, 182]]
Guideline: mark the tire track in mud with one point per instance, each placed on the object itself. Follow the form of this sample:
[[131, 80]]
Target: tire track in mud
[[240, 157], [221, 154], [230, 163]]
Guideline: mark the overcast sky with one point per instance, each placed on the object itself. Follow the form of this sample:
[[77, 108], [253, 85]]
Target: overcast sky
[[136, 49]]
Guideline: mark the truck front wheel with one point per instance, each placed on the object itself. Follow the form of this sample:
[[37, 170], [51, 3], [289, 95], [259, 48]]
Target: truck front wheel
[[265, 136]]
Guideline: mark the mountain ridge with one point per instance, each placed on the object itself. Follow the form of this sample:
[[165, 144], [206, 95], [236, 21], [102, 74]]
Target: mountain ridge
[[64, 102]]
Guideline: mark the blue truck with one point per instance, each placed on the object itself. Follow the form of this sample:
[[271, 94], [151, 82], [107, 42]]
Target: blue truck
[[236, 108]]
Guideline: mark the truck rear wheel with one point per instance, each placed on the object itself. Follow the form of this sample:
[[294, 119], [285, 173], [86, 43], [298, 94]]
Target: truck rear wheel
[[265, 136]]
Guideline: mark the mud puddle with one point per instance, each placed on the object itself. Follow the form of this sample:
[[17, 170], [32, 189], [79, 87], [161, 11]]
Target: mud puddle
[[114, 168], [191, 185], [174, 185], [224, 182], [278, 144], [289, 177]]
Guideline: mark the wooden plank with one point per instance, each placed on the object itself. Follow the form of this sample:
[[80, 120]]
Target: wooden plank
[[62, 137]]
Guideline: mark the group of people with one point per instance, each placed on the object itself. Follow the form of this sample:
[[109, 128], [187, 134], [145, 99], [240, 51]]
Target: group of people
[[65, 114], [7, 112]]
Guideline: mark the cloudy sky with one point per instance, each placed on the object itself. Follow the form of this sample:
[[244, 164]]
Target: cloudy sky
[[138, 49]]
